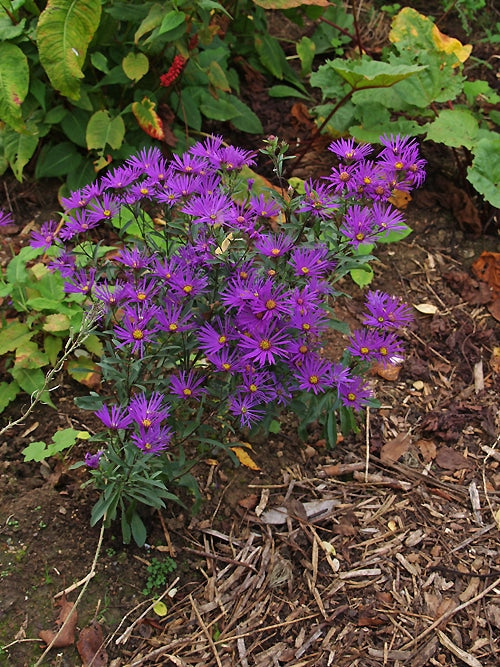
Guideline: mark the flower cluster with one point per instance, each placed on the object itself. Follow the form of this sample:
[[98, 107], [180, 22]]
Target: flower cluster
[[173, 72], [212, 299]]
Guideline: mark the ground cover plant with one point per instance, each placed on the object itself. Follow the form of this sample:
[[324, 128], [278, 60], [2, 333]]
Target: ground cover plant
[[212, 308]]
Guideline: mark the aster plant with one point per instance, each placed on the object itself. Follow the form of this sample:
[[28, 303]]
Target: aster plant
[[215, 304]]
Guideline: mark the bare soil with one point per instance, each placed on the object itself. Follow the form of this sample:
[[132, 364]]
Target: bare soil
[[383, 551]]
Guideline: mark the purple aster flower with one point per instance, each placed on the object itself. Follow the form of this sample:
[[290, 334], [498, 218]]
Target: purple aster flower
[[245, 407], [274, 245], [45, 237], [113, 418], [152, 440], [213, 338], [306, 298], [263, 208], [209, 209], [396, 145], [312, 322], [300, 350], [137, 330], [270, 300], [187, 385], [347, 150], [342, 177], [111, 295], [135, 259], [80, 282], [144, 159], [140, 191], [355, 394], [186, 282], [165, 269], [376, 346], [79, 223], [259, 384], [148, 412], [209, 148], [266, 345], [226, 361], [231, 158], [171, 319], [358, 226], [6, 218], [386, 311], [241, 218], [188, 164], [142, 292], [92, 460], [65, 264], [105, 208], [366, 177], [314, 374], [386, 218], [81, 198], [310, 261], [119, 178], [318, 200]]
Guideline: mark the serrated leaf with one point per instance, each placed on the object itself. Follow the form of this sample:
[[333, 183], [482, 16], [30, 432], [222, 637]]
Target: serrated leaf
[[8, 392], [135, 65], [64, 31], [14, 84], [35, 451], [454, 127], [13, 336], [148, 119], [289, 4], [56, 322], [103, 130], [368, 73], [484, 173]]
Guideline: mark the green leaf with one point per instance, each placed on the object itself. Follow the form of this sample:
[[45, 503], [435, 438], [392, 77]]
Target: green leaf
[[289, 4], [171, 20], [219, 109], [29, 355], [103, 130], [8, 392], [52, 346], [135, 66], [139, 532], [306, 50], [64, 31], [368, 73], [454, 127], [363, 275], [35, 451], [286, 91], [18, 150], [13, 336], [217, 77], [100, 62], [484, 173], [56, 322], [14, 84], [152, 21], [32, 380], [73, 125], [57, 160], [271, 54], [395, 235], [247, 120]]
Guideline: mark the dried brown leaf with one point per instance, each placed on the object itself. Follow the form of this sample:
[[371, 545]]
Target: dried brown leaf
[[90, 646], [449, 459], [67, 636], [394, 449], [427, 449]]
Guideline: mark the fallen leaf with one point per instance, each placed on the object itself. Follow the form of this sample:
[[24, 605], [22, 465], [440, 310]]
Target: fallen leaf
[[160, 608], [244, 458], [400, 199], [494, 309], [249, 502], [90, 646], [388, 372], [487, 268], [394, 449], [67, 636], [426, 308], [449, 459], [427, 449]]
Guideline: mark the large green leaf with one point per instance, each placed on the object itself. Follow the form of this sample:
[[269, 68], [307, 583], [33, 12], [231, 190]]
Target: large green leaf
[[289, 4], [368, 73], [18, 149], [454, 127], [56, 160], [484, 174], [103, 130], [14, 84], [31, 380], [64, 31]]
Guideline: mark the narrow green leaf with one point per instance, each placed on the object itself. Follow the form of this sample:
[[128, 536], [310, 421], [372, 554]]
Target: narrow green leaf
[[286, 91], [18, 150], [64, 31], [152, 21], [306, 50], [138, 529], [14, 84], [171, 20]]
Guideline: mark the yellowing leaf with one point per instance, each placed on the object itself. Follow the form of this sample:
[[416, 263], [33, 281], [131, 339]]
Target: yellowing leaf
[[224, 245], [451, 45], [56, 322], [244, 458], [85, 371], [148, 119], [160, 608]]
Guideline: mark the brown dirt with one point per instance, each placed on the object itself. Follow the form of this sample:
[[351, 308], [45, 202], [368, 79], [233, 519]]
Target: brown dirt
[[386, 559]]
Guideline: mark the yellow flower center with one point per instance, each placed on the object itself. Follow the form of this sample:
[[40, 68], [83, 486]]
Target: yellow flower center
[[222, 339], [253, 387], [188, 289], [351, 397], [265, 345], [106, 212], [275, 252], [187, 391], [137, 334], [146, 423], [304, 269], [141, 296], [313, 379], [364, 350], [360, 236], [172, 326], [270, 304], [303, 349]]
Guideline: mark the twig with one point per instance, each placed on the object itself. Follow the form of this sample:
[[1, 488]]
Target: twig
[[88, 578], [205, 631], [448, 614]]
